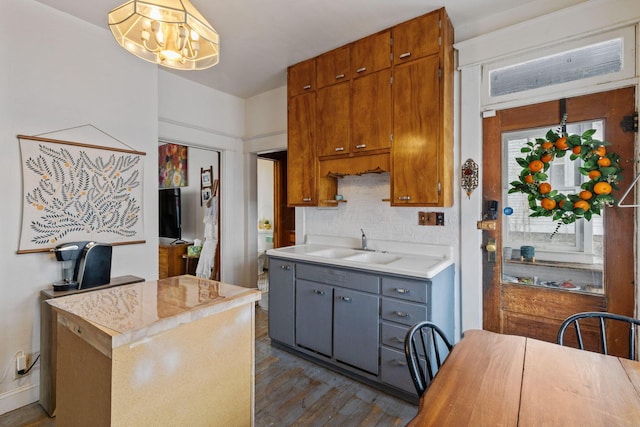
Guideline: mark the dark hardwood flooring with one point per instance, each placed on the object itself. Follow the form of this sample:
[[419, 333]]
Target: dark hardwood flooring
[[290, 391]]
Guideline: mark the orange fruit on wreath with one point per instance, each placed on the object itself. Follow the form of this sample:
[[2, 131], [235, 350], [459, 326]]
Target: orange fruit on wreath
[[548, 204], [561, 203], [544, 188], [547, 145], [604, 162], [585, 194], [594, 174], [529, 179], [536, 166], [602, 188], [546, 157], [577, 149], [581, 204], [561, 143], [601, 151]]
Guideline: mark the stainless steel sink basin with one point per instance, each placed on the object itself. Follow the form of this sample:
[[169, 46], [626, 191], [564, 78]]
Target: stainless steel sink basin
[[334, 253], [373, 258]]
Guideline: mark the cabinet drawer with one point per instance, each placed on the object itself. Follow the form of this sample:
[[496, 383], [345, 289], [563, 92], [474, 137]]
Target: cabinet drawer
[[393, 335], [394, 370], [410, 290], [339, 277], [403, 312]]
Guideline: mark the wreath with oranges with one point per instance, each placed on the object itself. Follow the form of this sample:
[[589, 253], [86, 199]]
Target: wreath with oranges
[[600, 166]]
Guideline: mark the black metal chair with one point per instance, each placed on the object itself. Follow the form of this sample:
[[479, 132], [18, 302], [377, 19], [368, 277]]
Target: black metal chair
[[426, 347], [610, 318]]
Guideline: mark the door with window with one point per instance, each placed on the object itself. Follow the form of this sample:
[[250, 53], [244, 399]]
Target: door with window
[[544, 270]]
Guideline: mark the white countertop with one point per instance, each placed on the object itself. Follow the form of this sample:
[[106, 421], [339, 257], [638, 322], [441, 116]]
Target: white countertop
[[404, 258]]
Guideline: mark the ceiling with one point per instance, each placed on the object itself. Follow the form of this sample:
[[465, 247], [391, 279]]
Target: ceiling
[[260, 38]]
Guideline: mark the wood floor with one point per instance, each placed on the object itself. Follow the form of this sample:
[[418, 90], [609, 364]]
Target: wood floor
[[290, 391]]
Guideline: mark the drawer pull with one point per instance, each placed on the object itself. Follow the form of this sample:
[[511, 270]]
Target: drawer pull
[[399, 362], [340, 76], [317, 292], [306, 199], [339, 149], [285, 267], [401, 314], [360, 70], [404, 198], [306, 87], [398, 339], [405, 55], [361, 146], [346, 299], [402, 290]]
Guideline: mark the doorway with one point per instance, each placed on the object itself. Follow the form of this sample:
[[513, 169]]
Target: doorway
[[528, 303]]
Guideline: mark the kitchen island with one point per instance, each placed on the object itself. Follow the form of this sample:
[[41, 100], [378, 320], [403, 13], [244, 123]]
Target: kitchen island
[[177, 351]]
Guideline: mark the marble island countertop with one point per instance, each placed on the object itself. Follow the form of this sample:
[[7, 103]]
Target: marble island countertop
[[126, 314], [405, 258]]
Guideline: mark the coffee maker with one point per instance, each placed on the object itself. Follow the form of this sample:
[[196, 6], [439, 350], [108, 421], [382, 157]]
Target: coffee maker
[[85, 264]]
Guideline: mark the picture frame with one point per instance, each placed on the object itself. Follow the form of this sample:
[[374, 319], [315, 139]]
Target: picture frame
[[206, 178], [206, 194]]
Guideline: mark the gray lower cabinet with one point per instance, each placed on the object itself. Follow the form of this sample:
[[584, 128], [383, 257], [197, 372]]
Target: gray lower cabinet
[[314, 316], [356, 335], [282, 292], [356, 320]]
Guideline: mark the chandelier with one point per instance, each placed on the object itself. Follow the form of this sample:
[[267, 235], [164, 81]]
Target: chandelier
[[171, 33]]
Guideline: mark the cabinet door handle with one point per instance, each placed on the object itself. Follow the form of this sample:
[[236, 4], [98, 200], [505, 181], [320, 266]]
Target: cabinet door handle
[[340, 76], [339, 149], [317, 292], [360, 70], [346, 299], [404, 198], [399, 362], [404, 55], [402, 314], [306, 87], [306, 199], [361, 146], [402, 290], [285, 267], [398, 340]]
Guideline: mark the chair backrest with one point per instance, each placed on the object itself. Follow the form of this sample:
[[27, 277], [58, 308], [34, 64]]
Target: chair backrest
[[604, 320], [425, 346]]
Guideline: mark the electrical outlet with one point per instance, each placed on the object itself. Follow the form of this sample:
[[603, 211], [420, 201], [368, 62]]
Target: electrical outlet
[[430, 218], [439, 218], [422, 218], [22, 363]]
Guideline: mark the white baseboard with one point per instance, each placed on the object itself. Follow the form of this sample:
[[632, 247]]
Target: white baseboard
[[19, 397]]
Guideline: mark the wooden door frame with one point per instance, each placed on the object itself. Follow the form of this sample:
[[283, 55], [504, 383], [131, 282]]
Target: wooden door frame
[[284, 217], [619, 271]]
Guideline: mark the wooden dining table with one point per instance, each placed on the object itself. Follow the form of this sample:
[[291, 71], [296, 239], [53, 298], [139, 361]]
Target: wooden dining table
[[491, 379]]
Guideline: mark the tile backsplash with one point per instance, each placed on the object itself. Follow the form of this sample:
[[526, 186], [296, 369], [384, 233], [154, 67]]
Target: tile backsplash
[[365, 209]]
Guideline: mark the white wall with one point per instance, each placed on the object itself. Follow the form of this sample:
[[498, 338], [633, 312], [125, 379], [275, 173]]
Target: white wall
[[59, 72]]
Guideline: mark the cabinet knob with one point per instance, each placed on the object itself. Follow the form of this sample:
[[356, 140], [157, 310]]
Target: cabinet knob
[[402, 291], [404, 198], [361, 146], [306, 199], [317, 292], [404, 55], [339, 149], [340, 76], [346, 299], [306, 87], [285, 267], [360, 70], [402, 314]]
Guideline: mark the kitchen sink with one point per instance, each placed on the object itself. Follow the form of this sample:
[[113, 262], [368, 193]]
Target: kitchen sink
[[334, 253], [372, 257]]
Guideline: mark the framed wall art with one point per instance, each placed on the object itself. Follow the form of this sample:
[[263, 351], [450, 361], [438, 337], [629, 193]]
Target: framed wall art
[[172, 165]]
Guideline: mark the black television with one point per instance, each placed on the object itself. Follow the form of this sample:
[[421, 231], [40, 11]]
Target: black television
[[170, 213]]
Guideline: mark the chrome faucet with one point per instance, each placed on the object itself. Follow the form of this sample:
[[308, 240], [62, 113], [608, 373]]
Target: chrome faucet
[[364, 241]]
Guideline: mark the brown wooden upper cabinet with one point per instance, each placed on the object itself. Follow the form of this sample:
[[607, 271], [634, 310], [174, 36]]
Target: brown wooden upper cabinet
[[371, 54], [333, 66], [334, 120], [301, 78], [301, 156], [417, 38]]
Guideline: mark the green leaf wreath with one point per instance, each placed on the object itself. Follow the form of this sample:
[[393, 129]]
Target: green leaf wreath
[[600, 166]]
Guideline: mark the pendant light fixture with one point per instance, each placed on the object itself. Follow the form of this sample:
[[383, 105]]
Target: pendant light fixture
[[171, 33]]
